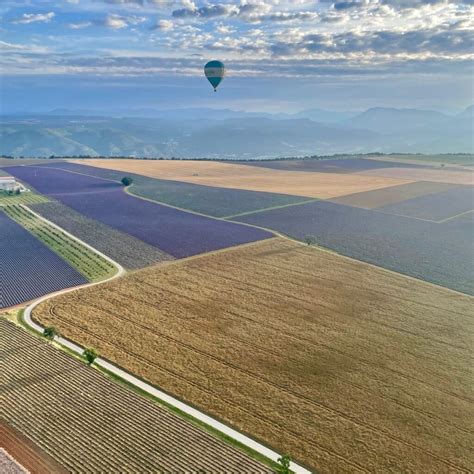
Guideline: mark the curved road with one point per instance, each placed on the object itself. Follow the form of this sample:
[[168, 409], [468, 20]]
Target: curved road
[[155, 392]]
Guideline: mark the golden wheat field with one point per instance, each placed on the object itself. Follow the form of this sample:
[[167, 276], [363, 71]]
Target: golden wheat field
[[253, 178], [348, 367]]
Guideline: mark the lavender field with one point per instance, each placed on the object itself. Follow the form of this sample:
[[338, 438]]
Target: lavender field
[[438, 253], [212, 201], [29, 269], [175, 232], [340, 165], [436, 207]]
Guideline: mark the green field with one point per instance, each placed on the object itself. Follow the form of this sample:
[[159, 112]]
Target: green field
[[88, 263], [25, 198]]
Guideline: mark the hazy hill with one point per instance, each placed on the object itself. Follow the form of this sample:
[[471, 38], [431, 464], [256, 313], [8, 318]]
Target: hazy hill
[[390, 120], [201, 132]]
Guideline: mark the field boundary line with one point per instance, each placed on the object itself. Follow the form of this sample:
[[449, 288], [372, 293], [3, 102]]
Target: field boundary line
[[270, 208], [154, 391], [455, 216]]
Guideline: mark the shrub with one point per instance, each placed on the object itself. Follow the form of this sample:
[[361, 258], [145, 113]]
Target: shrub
[[284, 462], [50, 332], [127, 181], [90, 355]]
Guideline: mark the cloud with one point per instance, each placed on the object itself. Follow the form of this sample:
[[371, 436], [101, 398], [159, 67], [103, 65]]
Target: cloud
[[427, 42], [80, 25], [27, 18], [117, 22], [164, 25]]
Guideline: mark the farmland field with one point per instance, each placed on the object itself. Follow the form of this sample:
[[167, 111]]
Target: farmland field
[[175, 232], [128, 251], [238, 176], [393, 195], [26, 454], [338, 165], [417, 174], [440, 253], [89, 424], [435, 207], [29, 269], [212, 201], [87, 262], [346, 366]]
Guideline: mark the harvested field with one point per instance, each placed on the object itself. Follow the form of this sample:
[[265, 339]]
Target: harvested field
[[392, 195], [440, 253], [212, 201], [413, 174], [236, 176], [436, 207], [129, 251], [175, 232], [348, 367], [89, 424], [27, 454]]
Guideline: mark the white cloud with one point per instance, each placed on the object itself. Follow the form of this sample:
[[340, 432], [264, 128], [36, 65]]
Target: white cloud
[[27, 18], [164, 25], [117, 22], [79, 26]]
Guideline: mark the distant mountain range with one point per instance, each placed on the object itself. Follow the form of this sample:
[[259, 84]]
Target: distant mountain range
[[225, 133]]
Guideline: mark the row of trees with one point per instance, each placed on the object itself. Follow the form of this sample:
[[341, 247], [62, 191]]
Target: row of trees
[[89, 354]]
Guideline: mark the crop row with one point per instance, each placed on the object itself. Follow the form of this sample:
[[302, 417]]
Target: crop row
[[129, 251], [176, 232], [90, 424], [90, 264], [29, 268], [276, 331]]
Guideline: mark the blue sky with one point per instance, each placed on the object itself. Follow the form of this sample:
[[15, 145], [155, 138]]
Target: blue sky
[[281, 55]]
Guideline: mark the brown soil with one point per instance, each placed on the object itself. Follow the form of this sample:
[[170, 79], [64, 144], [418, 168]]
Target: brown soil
[[346, 366], [26, 453]]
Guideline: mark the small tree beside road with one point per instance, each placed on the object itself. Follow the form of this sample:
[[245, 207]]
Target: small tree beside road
[[284, 462], [90, 354], [127, 181], [50, 332]]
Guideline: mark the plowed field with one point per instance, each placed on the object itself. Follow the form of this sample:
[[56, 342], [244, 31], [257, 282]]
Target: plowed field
[[348, 367], [89, 424]]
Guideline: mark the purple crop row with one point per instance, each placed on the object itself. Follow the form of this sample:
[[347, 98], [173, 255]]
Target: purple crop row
[[176, 232], [29, 269]]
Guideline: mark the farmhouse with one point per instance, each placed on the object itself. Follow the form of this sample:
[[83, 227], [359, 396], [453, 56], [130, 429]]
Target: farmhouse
[[9, 183]]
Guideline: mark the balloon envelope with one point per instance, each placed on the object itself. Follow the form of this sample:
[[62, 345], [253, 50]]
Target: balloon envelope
[[215, 72]]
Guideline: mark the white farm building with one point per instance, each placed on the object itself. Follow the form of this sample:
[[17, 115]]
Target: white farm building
[[9, 183]]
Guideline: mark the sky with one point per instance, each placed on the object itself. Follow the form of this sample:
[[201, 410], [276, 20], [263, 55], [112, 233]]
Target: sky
[[280, 55]]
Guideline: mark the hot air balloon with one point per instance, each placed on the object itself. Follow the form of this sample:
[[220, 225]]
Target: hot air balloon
[[215, 72]]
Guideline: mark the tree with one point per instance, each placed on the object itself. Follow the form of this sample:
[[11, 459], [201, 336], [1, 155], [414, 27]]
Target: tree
[[127, 181], [90, 354], [50, 332], [284, 462], [310, 239]]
